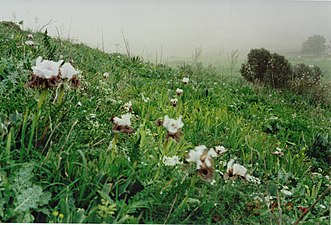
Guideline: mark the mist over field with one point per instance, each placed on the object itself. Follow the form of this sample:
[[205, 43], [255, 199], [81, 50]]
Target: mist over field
[[175, 28]]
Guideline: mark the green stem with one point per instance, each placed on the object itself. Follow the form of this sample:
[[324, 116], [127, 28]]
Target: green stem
[[113, 147], [8, 144]]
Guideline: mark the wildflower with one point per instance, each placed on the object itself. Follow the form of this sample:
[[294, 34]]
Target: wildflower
[[122, 124], [171, 161], [30, 36], [234, 169], [46, 69], [68, 71], [212, 183], [105, 75], [286, 192], [278, 152], [185, 80], [220, 150], [203, 158], [55, 213], [269, 200], [253, 179], [30, 43], [127, 106], [61, 216], [179, 91], [174, 102], [173, 126], [45, 73]]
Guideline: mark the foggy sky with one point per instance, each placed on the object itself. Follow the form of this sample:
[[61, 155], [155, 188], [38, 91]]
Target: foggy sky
[[177, 27]]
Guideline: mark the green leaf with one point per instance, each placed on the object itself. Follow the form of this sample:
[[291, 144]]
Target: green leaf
[[29, 198], [24, 217], [2, 203], [79, 216]]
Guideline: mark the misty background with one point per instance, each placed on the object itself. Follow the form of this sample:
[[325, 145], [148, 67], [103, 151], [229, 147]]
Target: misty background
[[176, 28]]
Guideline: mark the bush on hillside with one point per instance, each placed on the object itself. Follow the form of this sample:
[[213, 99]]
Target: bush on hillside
[[264, 67], [279, 72], [305, 77], [256, 66], [321, 151]]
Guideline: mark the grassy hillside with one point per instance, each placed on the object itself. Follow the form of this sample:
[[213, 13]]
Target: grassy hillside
[[61, 161]]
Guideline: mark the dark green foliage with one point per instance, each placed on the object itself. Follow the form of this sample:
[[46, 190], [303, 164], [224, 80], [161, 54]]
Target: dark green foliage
[[270, 69], [256, 66], [279, 72], [11, 25], [49, 46], [321, 151], [305, 77], [314, 45]]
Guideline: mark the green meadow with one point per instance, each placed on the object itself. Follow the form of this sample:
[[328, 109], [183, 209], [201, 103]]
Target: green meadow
[[62, 159]]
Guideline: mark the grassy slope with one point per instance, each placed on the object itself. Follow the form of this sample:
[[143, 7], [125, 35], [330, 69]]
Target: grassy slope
[[89, 174]]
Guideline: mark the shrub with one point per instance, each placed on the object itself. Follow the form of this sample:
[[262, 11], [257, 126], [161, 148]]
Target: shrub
[[256, 66], [305, 77], [321, 151], [267, 68], [279, 72]]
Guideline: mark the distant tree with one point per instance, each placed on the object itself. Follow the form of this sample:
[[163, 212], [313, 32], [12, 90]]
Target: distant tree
[[314, 45]]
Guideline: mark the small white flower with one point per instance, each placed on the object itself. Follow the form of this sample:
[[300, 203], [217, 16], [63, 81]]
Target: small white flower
[[30, 36], [179, 91], [185, 80], [236, 169], [46, 68], [278, 152], [220, 150], [79, 104], [174, 101], [196, 156], [286, 192], [30, 43], [212, 183], [171, 161], [106, 75], [172, 125], [253, 179], [68, 71], [315, 174], [124, 120], [128, 106], [268, 199]]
